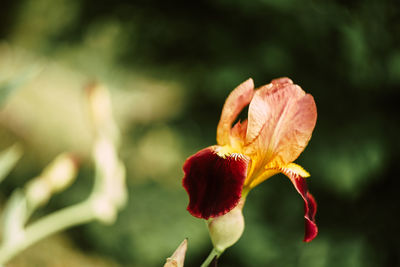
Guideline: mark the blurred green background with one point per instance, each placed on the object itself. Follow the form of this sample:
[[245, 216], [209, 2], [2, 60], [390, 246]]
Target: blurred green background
[[169, 66]]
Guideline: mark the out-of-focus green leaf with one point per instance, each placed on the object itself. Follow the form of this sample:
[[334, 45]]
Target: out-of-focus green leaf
[[8, 159], [14, 217], [9, 86]]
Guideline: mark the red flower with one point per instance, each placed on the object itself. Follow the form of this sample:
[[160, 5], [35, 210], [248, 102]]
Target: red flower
[[280, 122]]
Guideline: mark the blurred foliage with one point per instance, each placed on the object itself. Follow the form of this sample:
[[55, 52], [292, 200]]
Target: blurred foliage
[[170, 66], [8, 159]]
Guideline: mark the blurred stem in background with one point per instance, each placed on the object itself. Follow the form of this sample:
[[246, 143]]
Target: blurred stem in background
[[109, 193], [8, 158]]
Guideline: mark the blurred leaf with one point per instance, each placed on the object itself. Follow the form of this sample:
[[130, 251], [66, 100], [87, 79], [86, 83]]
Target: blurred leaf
[[14, 217], [9, 86], [8, 159]]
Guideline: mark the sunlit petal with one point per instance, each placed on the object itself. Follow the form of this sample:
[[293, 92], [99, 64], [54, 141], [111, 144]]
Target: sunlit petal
[[262, 107], [236, 101], [281, 120]]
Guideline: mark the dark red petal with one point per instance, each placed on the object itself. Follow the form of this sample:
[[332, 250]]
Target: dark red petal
[[214, 184], [310, 206]]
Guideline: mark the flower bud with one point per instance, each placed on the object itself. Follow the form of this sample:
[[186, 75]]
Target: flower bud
[[60, 173], [99, 103], [226, 230], [100, 110], [178, 258], [37, 192]]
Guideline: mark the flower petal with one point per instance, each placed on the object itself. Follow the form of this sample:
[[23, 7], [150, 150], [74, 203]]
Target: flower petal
[[261, 109], [295, 168], [310, 205], [281, 120], [214, 181], [238, 135], [236, 101], [252, 182]]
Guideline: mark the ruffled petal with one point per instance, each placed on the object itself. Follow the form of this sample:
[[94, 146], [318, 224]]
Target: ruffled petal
[[213, 180], [310, 205], [236, 101], [281, 120], [261, 109]]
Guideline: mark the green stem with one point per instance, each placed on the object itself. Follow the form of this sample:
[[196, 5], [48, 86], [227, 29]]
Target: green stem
[[77, 214], [214, 253]]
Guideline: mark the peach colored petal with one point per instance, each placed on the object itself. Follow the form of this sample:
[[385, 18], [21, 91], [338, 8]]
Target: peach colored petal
[[297, 130], [281, 120], [267, 103], [238, 135], [281, 82], [236, 101]]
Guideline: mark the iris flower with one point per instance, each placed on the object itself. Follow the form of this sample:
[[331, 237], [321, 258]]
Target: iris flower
[[281, 118]]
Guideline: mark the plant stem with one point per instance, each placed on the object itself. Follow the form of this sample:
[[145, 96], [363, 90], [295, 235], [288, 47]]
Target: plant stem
[[55, 222], [214, 253]]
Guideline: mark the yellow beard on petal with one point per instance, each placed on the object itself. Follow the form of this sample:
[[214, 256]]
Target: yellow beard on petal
[[297, 169], [225, 151], [255, 177], [258, 172]]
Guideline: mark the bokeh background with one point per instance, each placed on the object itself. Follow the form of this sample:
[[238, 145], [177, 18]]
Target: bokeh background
[[169, 66]]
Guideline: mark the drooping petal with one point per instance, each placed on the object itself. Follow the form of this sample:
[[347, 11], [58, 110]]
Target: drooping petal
[[213, 181], [236, 101], [281, 120], [310, 205]]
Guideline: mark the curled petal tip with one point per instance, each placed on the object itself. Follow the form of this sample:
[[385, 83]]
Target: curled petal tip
[[311, 229], [249, 82]]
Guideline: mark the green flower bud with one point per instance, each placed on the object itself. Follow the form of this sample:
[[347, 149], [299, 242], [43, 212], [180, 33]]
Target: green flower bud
[[226, 230]]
